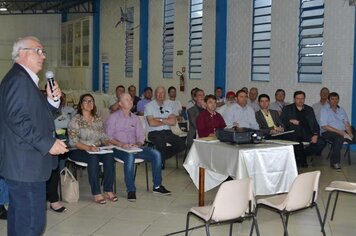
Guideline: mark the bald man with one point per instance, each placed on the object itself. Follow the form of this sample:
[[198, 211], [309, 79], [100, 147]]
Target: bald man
[[160, 117]]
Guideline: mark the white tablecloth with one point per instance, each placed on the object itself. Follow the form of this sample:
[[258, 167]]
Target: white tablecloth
[[271, 166]]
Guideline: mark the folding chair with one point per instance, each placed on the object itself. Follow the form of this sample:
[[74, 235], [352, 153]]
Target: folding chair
[[233, 202], [338, 187], [302, 195]]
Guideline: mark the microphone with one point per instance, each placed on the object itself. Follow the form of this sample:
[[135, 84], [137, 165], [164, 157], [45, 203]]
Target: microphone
[[50, 78]]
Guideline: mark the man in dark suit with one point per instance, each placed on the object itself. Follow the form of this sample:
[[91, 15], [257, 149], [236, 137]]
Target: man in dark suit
[[193, 113], [301, 118], [27, 138]]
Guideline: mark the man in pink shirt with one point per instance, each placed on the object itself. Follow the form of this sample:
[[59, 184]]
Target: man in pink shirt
[[125, 131]]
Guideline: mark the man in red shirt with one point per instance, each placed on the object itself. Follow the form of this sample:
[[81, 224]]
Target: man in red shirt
[[209, 120]]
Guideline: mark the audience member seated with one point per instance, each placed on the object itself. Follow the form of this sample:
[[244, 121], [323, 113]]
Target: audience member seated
[[125, 131], [240, 114], [335, 126], [324, 102], [230, 99], [208, 121], [160, 118], [86, 134], [114, 104], [174, 103], [268, 119], [300, 118], [252, 99], [193, 113], [220, 101], [191, 102], [147, 97], [245, 89], [4, 199], [65, 115], [278, 105], [132, 92]]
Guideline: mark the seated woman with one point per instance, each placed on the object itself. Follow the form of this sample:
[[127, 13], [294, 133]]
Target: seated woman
[[86, 133], [208, 121], [268, 119]]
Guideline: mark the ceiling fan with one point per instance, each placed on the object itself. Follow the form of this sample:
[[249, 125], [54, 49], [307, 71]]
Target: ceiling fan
[[126, 17], [123, 18]]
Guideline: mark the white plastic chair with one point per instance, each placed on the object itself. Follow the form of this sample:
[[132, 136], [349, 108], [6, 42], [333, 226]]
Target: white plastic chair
[[302, 195], [233, 201], [338, 186]]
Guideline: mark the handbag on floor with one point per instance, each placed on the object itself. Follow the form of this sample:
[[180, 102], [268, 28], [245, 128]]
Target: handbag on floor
[[69, 186]]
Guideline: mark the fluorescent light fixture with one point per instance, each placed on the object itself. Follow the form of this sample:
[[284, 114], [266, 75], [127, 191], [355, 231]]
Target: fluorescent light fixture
[[3, 7]]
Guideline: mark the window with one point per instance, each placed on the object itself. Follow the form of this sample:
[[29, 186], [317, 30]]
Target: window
[[195, 38], [168, 39], [261, 40], [129, 40], [311, 41]]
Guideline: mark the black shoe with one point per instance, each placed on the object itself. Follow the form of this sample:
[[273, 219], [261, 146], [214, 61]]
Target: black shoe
[[3, 213], [162, 190], [336, 166], [59, 210], [131, 196]]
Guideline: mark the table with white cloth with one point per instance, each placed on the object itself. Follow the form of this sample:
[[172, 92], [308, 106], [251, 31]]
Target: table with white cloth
[[271, 166]]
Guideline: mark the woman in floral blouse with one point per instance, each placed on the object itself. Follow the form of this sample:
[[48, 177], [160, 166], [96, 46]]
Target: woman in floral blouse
[[86, 134]]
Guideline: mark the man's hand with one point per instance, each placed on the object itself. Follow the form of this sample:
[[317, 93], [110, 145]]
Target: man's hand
[[59, 147], [56, 91], [294, 121], [314, 139]]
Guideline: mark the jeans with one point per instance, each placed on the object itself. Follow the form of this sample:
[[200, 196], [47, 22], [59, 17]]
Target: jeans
[[94, 169], [149, 155], [27, 208], [337, 142]]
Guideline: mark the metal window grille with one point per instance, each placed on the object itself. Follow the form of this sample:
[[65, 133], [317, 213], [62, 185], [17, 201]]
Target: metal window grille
[[195, 38], [129, 42], [168, 39], [311, 41], [261, 40]]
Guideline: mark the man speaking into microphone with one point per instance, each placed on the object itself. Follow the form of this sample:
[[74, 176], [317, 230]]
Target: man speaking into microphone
[[27, 138]]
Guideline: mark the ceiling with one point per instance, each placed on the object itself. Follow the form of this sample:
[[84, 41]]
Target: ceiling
[[17, 7]]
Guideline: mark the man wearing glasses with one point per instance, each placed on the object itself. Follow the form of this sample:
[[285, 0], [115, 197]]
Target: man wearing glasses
[[27, 138], [160, 117]]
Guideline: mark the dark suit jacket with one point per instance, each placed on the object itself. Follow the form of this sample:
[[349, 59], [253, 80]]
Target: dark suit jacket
[[26, 129], [193, 113], [289, 112], [262, 121]]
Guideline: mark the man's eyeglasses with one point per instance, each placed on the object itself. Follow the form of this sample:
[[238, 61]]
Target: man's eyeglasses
[[161, 110], [88, 101], [39, 51]]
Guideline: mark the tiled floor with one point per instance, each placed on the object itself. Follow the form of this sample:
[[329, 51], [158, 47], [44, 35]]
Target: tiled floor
[[154, 215]]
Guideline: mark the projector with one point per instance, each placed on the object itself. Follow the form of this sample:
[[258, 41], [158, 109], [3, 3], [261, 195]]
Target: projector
[[239, 135]]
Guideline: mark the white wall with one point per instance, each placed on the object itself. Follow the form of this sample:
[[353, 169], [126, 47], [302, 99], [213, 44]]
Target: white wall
[[113, 45], [338, 50], [44, 27], [112, 42]]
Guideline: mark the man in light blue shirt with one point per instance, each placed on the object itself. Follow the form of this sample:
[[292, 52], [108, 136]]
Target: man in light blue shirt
[[335, 127], [240, 114], [159, 116]]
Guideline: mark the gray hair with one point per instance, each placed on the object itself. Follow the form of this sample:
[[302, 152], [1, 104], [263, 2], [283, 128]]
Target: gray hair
[[21, 43]]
